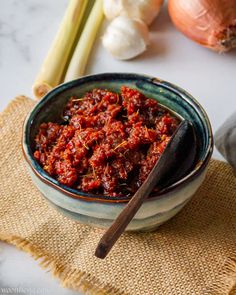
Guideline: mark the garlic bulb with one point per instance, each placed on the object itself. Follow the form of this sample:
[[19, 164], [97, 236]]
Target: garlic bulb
[[211, 23], [126, 38], [146, 10]]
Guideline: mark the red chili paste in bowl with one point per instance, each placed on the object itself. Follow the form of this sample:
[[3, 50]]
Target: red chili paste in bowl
[[109, 142]]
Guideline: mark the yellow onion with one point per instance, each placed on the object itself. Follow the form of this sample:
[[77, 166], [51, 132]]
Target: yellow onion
[[211, 23]]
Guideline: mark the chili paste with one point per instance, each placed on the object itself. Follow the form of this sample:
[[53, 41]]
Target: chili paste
[[108, 142]]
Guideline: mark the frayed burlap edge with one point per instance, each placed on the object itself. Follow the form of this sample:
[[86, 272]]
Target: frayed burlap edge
[[12, 104], [225, 279], [69, 278], [86, 283]]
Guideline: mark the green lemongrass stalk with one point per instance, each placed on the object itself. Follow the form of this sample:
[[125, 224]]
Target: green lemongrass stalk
[[88, 9], [80, 57], [51, 72]]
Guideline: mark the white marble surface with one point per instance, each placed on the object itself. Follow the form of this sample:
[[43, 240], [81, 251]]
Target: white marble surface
[[27, 28]]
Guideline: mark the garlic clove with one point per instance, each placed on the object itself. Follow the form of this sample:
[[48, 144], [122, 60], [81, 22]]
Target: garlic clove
[[146, 10], [112, 8], [126, 38]]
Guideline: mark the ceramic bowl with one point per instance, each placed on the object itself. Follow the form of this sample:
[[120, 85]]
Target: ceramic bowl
[[99, 210]]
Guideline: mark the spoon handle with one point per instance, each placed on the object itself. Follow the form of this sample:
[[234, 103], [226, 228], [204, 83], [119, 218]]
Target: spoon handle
[[127, 214], [176, 159]]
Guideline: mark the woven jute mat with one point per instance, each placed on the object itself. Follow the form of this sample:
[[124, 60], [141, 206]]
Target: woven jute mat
[[193, 253]]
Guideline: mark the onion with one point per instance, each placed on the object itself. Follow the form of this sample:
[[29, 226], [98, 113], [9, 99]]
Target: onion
[[126, 38], [146, 10], [211, 23]]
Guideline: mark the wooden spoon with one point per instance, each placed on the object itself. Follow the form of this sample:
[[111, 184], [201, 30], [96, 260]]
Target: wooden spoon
[[176, 160]]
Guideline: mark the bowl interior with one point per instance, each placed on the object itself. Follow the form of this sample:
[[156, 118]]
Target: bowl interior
[[51, 106]]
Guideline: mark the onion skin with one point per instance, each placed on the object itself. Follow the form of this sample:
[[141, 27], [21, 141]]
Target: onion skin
[[211, 23]]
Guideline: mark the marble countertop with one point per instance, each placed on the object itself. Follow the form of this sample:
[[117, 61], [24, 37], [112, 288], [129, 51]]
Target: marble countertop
[[26, 32]]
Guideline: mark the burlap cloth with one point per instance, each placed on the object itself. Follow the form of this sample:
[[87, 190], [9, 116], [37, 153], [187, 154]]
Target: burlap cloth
[[194, 253]]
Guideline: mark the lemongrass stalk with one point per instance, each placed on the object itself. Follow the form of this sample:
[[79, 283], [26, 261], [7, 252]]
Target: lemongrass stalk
[[79, 59], [88, 9], [51, 72]]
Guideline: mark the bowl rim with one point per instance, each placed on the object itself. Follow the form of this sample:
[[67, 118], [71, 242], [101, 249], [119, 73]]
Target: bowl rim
[[78, 194]]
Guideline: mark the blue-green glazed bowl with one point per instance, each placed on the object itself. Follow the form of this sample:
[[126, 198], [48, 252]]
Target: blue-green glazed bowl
[[100, 210]]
